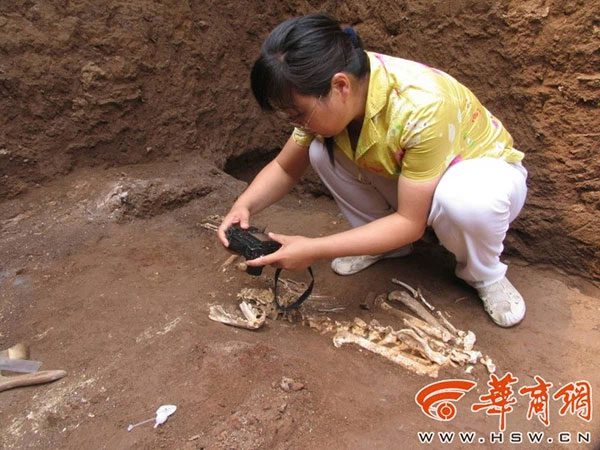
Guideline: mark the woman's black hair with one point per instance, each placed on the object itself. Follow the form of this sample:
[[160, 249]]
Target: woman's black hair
[[301, 55]]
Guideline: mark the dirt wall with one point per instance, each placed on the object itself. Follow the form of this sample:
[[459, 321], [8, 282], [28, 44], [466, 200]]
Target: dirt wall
[[120, 82]]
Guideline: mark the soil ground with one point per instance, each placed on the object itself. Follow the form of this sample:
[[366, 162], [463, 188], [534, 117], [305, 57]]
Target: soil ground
[[122, 306]]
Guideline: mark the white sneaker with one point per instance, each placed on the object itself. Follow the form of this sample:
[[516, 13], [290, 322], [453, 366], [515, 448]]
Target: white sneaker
[[348, 265], [503, 303]]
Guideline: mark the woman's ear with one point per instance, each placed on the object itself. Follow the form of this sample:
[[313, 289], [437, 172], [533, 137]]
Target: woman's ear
[[341, 85]]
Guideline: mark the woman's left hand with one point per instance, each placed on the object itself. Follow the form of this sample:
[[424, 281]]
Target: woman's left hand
[[295, 253]]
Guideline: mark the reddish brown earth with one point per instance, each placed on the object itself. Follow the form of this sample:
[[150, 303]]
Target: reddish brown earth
[[117, 294], [116, 120]]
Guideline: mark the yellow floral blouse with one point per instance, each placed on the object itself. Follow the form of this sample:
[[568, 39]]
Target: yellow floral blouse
[[418, 121]]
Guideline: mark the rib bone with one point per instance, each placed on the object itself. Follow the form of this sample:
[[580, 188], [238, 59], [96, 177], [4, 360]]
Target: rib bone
[[413, 321], [423, 347], [345, 337], [416, 307], [408, 287]]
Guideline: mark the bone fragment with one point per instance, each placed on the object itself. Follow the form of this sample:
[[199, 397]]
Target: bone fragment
[[416, 307], [289, 384], [408, 287], [424, 348], [261, 296], [416, 293], [425, 302], [360, 323], [251, 314], [228, 262], [488, 363], [345, 337], [463, 357], [218, 314], [448, 325], [413, 322], [469, 340], [338, 309], [389, 338]]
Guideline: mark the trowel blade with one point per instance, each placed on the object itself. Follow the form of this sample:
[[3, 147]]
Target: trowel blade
[[19, 365]]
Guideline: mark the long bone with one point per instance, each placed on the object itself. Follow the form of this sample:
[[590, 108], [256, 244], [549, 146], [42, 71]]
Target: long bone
[[416, 293], [345, 337], [449, 326], [430, 337], [424, 347], [408, 338], [415, 306], [413, 321], [382, 336]]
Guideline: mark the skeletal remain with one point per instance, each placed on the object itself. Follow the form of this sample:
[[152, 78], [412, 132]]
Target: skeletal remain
[[408, 287], [424, 347], [254, 315], [447, 324], [488, 363], [404, 340], [345, 337], [260, 296], [412, 321], [406, 343], [289, 282], [426, 344], [416, 293], [212, 222], [425, 302], [218, 314], [469, 340], [228, 262], [462, 342], [416, 307], [341, 308], [463, 357]]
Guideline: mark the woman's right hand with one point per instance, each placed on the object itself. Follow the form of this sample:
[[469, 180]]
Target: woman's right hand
[[237, 214]]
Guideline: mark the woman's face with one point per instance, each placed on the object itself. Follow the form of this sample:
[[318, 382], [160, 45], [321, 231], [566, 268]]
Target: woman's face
[[330, 114], [325, 115]]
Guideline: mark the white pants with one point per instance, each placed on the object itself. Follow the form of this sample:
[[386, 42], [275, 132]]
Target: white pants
[[473, 205]]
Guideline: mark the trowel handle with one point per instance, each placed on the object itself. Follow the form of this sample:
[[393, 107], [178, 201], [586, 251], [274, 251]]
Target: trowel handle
[[45, 376]]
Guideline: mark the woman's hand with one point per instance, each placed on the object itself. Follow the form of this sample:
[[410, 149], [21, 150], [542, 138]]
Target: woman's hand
[[296, 253], [237, 214]]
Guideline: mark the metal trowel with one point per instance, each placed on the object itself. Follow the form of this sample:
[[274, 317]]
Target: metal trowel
[[19, 365]]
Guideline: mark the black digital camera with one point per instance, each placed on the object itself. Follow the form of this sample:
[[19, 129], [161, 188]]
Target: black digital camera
[[250, 243]]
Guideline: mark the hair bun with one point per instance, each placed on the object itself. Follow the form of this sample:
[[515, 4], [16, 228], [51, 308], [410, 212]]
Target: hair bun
[[353, 36]]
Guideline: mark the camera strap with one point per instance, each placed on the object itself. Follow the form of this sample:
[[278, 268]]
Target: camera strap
[[301, 299]]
